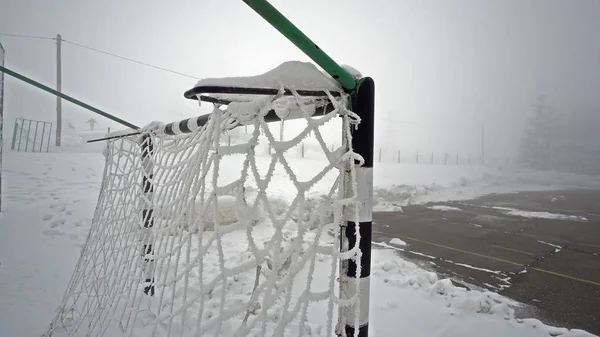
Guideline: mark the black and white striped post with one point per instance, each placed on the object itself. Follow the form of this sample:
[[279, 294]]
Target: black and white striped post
[[147, 148], [176, 128], [363, 104]]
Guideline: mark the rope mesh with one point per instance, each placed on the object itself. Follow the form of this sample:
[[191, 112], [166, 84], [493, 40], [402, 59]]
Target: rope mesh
[[188, 239]]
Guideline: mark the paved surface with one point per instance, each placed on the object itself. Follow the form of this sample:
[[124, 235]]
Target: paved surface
[[551, 265]]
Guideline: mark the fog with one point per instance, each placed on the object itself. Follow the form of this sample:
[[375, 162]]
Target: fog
[[443, 69]]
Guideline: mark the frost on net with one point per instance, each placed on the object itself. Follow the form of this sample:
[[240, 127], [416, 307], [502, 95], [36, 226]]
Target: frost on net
[[200, 222]]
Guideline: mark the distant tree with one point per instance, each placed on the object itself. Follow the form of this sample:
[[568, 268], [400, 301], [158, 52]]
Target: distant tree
[[539, 138]]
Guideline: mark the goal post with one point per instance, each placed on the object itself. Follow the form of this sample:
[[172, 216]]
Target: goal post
[[363, 104], [190, 238], [193, 235]]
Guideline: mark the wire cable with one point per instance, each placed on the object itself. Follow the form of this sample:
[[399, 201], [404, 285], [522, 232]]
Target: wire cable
[[102, 52], [28, 36], [130, 60]]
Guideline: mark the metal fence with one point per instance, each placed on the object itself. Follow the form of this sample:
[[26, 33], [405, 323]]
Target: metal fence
[[31, 135]]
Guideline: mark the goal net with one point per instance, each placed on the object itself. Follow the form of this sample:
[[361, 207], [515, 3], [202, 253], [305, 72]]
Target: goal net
[[193, 236]]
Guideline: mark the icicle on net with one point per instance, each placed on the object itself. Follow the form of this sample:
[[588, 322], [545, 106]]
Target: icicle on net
[[233, 241]]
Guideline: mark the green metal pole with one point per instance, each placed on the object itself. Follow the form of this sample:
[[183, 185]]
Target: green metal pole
[[292, 33], [66, 97]]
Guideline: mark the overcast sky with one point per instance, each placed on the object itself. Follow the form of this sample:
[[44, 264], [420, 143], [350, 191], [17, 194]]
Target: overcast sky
[[441, 67]]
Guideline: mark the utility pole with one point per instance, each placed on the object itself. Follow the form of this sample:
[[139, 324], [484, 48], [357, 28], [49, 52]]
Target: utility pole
[[59, 89], [1, 117], [482, 145]]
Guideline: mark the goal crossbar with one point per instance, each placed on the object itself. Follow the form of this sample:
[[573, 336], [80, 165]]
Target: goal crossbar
[[213, 89], [188, 124]]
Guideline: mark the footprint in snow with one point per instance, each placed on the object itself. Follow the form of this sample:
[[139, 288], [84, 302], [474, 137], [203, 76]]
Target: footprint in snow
[[69, 212], [47, 217], [57, 223], [78, 238], [53, 232]]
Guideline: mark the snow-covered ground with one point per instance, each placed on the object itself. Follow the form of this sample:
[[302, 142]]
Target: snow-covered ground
[[49, 200]]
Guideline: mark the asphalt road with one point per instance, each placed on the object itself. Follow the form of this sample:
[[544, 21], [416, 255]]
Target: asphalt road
[[550, 265]]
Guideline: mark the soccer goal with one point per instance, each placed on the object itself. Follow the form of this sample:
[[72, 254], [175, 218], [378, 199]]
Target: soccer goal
[[195, 236]]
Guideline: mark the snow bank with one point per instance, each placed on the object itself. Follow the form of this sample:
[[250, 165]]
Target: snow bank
[[401, 273], [407, 298]]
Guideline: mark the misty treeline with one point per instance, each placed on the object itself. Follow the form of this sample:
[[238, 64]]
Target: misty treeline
[[561, 141]]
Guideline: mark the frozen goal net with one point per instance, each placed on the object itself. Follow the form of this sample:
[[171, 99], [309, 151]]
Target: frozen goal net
[[197, 236]]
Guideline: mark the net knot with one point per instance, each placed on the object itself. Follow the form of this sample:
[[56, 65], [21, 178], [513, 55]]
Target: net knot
[[350, 157], [353, 118]]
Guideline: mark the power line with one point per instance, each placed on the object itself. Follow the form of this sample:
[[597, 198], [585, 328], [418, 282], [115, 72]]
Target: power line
[[28, 36], [103, 52], [131, 60]]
